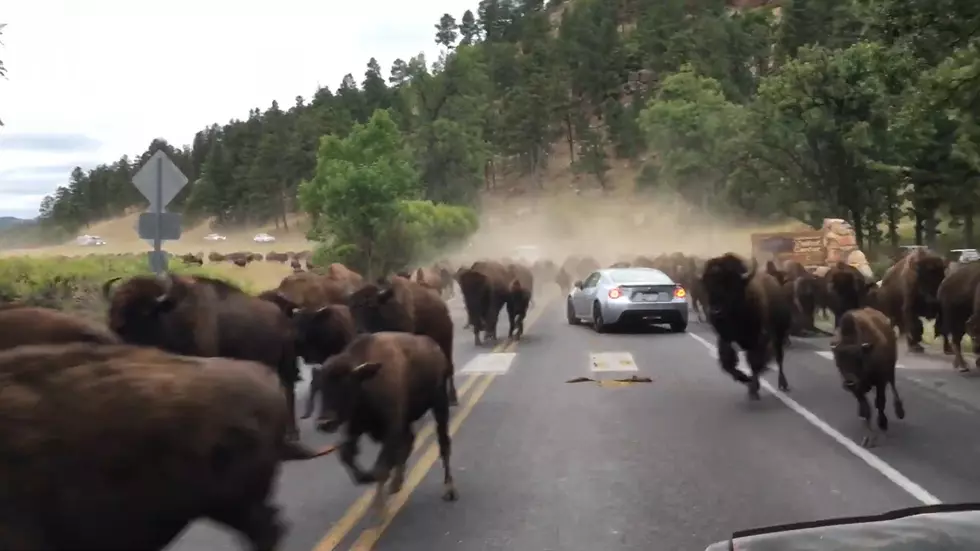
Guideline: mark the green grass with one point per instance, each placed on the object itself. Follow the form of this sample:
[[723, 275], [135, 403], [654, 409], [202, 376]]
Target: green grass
[[75, 284]]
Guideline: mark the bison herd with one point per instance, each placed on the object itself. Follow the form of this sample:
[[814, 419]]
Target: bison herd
[[182, 405]]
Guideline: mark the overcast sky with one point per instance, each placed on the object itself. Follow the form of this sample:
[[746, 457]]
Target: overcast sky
[[91, 80]]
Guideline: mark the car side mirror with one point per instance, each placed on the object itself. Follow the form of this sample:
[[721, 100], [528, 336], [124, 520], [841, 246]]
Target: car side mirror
[[578, 284]]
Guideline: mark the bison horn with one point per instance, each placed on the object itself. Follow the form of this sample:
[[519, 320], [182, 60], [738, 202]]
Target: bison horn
[[168, 282], [107, 286], [751, 272]]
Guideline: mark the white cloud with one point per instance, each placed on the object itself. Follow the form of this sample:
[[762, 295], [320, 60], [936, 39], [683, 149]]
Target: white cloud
[[122, 72]]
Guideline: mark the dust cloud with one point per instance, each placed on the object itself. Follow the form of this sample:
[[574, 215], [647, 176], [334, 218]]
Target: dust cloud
[[609, 228]]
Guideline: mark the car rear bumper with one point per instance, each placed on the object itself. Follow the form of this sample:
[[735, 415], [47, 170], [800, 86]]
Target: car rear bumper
[[645, 312]]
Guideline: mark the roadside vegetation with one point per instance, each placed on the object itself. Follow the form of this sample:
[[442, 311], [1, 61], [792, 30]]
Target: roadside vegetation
[[75, 284]]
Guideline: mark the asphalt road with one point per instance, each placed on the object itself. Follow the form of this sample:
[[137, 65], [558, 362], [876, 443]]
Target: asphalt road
[[677, 463]]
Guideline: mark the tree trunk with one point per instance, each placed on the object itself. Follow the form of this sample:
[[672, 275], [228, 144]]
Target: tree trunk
[[968, 229], [918, 228]]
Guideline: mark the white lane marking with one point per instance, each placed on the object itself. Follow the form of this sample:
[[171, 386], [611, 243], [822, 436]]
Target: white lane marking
[[873, 461], [828, 355], [490, 362], [605, 362]]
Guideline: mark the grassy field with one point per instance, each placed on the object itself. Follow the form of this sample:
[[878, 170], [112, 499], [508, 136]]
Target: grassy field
[[75, 284]]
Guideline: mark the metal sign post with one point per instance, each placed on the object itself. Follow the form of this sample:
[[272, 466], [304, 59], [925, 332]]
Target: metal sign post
[[159, 180]]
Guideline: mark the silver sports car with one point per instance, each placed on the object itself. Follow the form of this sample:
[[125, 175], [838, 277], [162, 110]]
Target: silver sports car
[[628, 295]]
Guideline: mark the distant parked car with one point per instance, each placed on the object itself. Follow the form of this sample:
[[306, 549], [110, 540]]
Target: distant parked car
[[89, 240], [215, 237], [263, 238], [967, 255]]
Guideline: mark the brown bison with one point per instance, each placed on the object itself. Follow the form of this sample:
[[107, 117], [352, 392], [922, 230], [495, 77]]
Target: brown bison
[[403, 305], [846, 289], [25, 325], [199, 316], [748, 308], [428, 278], [156, 441], [282, 258], [485, 288], [380, 385], [321, 332], [193, 259], [564, 281], [910, 291], [519, 295], [310, 290], [350, 279], [958, 301], [865, 351]]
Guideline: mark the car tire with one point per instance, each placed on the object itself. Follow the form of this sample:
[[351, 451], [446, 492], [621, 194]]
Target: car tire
[[678, 326], [570, 313], [598, 323]]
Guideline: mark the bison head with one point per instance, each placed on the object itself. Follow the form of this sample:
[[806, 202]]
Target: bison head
[[376, 308], [137, 306], [338, 383], [929, 273], [850, 359], [725, 279]]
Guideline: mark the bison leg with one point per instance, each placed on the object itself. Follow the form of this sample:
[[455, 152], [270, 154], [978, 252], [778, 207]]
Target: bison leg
[[956, 343], [864, 412], [292, 432], [914, 325], [476, 333], [880, 403], [780, 354], [398, 478], [899, 406], [440, 411], [258, 522], [728, 358], [391, 451], [348, 456]]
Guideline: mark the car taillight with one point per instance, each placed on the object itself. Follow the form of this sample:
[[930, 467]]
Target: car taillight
[[615, 293], [680, 292]]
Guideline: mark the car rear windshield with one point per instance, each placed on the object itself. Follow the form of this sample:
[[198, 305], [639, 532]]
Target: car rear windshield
[[655, 277]]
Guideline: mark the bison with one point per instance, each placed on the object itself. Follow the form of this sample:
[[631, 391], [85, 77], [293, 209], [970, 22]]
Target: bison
[[199, 316], [957, 301], [747, 308], [518, 299], [485, 288], [404, 305], [25, 325], [151, 442], [865, 351], [310, 290], [350, 279], [195, 259], [380, 385], [910, 291], [846, 289], [321, 332]]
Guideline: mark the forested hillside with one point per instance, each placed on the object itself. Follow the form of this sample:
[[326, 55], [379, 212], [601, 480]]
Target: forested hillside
[[847, 108]]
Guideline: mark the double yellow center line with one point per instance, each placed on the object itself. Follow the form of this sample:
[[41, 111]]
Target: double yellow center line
[[478, 383]]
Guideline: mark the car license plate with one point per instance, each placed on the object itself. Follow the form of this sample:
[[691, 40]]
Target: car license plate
[[649, 297]]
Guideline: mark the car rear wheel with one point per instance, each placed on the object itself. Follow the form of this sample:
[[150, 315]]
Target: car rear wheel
[[678, 326], [598, 323], [570, 313]]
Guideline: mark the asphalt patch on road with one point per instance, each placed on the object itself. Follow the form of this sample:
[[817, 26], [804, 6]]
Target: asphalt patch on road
[[612, 382]]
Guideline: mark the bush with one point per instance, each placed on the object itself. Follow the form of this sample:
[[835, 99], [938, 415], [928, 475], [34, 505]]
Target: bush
[[421, 232], [75, 284]]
